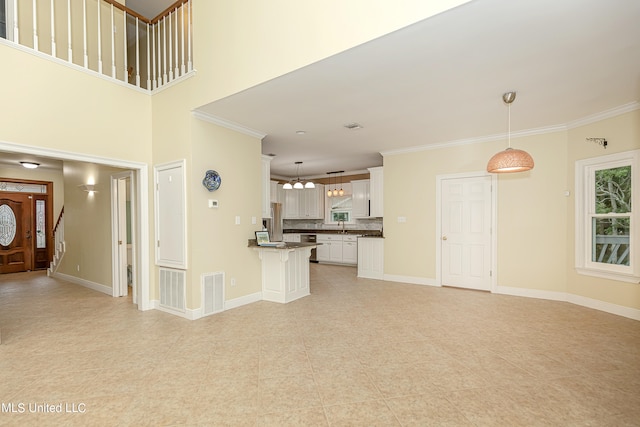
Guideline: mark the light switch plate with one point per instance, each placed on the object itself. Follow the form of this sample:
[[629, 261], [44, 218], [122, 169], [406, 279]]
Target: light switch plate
[[237, 219], [213, 203]]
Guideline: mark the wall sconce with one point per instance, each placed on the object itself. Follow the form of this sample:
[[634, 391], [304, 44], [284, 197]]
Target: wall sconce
[[601, 141], [89, 188]]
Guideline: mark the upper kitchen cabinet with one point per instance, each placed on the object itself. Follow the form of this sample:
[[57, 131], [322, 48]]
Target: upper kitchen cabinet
[[304, 204], [375, 191], [360, 198], [266, 186]]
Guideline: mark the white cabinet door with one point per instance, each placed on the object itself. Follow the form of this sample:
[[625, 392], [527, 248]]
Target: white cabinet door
[[323, 250], [375, 191], [350, 250], [311, 202], [360, 198], [291, 208], [335, 252], [274, 192]]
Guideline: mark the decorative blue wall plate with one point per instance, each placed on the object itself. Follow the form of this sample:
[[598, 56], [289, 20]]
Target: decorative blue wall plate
[[212, 180]]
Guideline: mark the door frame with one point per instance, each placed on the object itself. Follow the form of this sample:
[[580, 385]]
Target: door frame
[[141, 174], [494, 222], [120, 288], [49, 225]]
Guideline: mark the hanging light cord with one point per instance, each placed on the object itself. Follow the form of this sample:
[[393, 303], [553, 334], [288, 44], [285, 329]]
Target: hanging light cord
[[509, 126]]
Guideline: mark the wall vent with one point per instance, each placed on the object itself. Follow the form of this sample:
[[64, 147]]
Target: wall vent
[[172, 289], [212, 293]]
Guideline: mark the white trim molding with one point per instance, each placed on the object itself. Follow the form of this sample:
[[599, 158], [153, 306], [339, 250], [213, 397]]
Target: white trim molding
[[244, 300], [227, 124], [86, 283], [631, 313], [411, 280]]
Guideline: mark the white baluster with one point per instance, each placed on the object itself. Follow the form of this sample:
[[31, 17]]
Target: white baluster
[[168, 18], [138, 54], [182, 67], [125, 77], [189, 63], [99, 37], [84, 33], [176, 71], [35, 25], [164, 51], [113, 45], [16, 31], [153, 51], [70, 46], [159, 52], [148, 60], [53, 31]]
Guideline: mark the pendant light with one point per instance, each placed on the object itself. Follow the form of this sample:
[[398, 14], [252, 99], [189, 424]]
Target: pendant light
[[297, 183], [510, 160], [329, 192], [341, 191]]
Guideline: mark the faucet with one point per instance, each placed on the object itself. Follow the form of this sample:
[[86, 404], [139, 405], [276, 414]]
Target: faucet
[[341, 221]]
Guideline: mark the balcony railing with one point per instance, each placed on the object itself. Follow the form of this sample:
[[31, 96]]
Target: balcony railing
[[611, 249], [106, 37]]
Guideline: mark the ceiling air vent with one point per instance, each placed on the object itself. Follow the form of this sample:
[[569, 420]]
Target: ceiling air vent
[[353, 126]]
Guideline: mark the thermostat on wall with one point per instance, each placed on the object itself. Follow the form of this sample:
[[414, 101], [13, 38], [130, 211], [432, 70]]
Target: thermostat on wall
[[213, 203]]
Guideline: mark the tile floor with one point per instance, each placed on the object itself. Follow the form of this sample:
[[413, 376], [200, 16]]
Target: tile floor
[[355, 352]]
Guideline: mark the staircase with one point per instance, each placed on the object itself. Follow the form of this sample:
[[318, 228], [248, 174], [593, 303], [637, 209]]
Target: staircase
[[59, 245]]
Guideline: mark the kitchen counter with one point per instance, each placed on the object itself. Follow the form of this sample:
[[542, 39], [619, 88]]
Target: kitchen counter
[[367, 233], [285, 270]]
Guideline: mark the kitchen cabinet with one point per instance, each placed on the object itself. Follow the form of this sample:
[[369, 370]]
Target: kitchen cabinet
[[291, 237], [273, 189], [304, 204], [350, 250], [266, 186], [360, 198], [371, 257], [337, 248], [376, 185]]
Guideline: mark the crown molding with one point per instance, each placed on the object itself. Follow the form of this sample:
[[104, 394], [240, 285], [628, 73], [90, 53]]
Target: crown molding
[[613, 112], [607, 114], [227, 124]]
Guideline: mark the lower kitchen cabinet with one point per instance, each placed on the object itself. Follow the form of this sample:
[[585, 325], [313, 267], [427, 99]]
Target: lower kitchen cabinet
[[336, 248]]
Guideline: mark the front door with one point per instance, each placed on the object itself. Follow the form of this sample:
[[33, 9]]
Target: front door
[[466, 232], [16, 246]]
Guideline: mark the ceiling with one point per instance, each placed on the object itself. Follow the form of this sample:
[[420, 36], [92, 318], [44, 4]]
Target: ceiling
[[149, 8], [441, 80]]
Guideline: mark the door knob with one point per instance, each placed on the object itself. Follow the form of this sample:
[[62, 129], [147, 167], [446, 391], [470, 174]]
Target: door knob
[[444, 237]]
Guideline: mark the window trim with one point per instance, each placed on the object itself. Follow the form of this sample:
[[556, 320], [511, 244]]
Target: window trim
[[583, 202]]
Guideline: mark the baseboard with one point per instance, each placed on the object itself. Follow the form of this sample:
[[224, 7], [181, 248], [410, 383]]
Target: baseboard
[[607, 307], [86, 283], [195, 314], [530, 293], [631, 313], [240, 301], [410, 279]]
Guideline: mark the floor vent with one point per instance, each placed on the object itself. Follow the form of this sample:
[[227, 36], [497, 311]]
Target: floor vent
[[212, 293], [172, 289]]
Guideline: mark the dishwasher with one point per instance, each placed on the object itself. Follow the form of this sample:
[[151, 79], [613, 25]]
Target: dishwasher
[[310, 238]]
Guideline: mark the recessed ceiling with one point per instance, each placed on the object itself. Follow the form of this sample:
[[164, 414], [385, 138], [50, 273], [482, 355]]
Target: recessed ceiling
[[13, 160], [441, 80]]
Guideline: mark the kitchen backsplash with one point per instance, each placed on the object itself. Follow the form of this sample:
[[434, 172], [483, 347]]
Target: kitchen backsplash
[[307, 224]]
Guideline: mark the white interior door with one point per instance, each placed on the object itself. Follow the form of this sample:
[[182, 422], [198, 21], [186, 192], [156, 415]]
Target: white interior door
[[465, 239]]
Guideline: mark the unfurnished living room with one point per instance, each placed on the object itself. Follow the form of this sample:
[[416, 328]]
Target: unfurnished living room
[[344, 213]]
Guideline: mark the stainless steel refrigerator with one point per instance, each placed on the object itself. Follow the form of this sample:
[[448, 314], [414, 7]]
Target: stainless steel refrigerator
[[274, 224]]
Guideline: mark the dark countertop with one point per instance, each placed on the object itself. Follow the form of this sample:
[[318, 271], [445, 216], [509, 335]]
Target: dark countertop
[[287, 245], [365, 233]]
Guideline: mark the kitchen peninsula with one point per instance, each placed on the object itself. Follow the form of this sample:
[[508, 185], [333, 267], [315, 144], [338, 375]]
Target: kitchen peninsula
[[285, 271]]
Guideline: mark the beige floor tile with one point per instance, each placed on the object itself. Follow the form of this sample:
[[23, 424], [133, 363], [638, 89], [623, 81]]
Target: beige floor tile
[[355, 352], [370, 414]]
